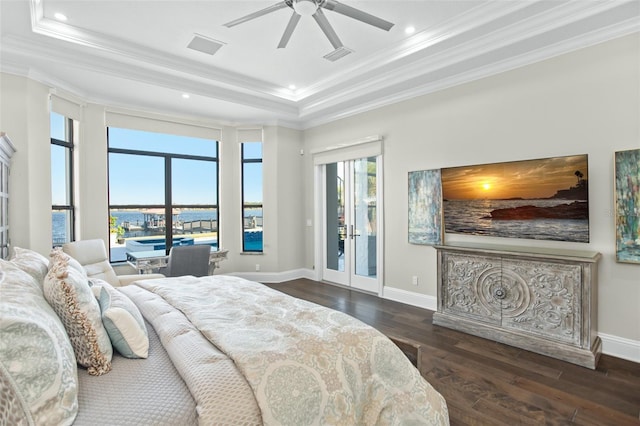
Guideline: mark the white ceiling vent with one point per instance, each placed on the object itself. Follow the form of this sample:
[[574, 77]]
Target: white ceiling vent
[[340, 52], [205, 44]]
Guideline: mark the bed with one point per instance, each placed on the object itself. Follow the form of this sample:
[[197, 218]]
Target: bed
[[212, 350]]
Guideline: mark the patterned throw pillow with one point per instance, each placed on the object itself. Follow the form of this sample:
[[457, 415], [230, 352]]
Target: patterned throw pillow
[[38, 372], [68, 292], [122, 320], [31, 262], [57, 252]]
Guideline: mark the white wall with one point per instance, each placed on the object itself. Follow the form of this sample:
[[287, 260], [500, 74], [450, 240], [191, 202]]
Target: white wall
[[586, 102], [24, 102]]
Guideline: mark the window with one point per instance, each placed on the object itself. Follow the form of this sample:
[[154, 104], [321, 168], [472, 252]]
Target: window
[[163, 191], [62, 207], [251, 153]]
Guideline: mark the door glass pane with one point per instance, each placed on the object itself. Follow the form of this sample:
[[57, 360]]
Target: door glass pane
[[365, 225], [335, 202]]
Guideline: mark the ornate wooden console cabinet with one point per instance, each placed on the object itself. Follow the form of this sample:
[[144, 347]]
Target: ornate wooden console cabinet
[[541, 300]]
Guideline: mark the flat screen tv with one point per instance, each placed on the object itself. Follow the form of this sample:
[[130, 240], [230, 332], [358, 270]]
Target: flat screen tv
[[543, 199]]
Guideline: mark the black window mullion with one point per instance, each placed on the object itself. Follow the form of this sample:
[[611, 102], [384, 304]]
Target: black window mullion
[[168, 209], [70, 137]]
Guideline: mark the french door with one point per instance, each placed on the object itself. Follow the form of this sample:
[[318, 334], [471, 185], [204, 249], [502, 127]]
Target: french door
[[350, 218]]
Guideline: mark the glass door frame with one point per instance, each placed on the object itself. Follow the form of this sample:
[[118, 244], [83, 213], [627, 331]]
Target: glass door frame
[[320, 245]]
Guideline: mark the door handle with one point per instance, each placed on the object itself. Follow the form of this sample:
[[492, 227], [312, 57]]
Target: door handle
[[352, 233]]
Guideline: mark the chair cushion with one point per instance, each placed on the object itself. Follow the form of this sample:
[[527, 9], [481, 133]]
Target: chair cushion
[[122, 320], [38, 372], [92, 255], [68, 292]]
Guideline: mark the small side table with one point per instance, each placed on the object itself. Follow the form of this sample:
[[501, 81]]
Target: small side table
[[147, 261]]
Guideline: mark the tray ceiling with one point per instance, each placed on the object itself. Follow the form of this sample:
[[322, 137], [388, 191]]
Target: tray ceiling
[[135, 54]]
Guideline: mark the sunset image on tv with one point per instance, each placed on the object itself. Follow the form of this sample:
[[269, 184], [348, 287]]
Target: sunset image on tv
[[545, 199]]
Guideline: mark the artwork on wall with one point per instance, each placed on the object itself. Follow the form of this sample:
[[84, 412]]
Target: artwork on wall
[[627, 192], [425, 207], [543, 199]]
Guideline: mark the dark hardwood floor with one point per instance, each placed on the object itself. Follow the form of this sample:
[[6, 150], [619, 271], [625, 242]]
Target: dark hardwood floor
[[488, 383]]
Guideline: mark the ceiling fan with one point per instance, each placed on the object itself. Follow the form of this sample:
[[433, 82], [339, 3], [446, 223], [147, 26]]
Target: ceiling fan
[[314, 8]]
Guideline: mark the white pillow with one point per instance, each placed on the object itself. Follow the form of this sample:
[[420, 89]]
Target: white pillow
[[68, 293], [122, 320]]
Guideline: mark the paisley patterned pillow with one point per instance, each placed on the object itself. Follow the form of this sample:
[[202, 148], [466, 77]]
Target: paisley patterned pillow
[[68, 293], [38, 373]]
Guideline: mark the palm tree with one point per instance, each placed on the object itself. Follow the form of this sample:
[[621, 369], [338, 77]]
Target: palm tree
[[579, 175]]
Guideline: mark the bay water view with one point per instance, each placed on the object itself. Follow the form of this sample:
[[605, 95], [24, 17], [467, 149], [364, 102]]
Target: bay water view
[[199, 224]]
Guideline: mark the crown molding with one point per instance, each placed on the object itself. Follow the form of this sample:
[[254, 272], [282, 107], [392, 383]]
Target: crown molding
[[417, 43], [491, 38], [17, 46], [464, 64], [132, 53]]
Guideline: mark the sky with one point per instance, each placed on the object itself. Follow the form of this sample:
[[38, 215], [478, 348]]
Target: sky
[[140, 179], [527, 179]]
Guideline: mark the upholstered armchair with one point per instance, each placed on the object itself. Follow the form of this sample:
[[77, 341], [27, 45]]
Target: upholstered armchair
[[92, 255], [187, 260]]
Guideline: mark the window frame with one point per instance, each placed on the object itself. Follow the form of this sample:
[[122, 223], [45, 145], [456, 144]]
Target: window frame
[[168, 205], [69, 152]]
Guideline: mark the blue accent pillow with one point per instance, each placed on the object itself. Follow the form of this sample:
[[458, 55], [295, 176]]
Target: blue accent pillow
[[122, 320]]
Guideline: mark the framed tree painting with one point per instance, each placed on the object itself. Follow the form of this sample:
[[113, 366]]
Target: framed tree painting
[[425, 207], [627, 193]]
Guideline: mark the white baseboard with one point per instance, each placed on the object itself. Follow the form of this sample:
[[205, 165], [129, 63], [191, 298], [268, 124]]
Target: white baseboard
[[410, 298], [620, 347]]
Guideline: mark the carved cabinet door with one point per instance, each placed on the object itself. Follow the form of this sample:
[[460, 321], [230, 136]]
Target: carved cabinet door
[[468, 281], [542, 298]]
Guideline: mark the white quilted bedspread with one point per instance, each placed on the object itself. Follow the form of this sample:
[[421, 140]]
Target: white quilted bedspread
[[306, 364]]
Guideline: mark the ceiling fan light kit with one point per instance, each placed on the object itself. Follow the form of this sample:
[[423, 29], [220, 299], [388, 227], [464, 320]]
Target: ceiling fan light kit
[[305, 7], [314, 8]]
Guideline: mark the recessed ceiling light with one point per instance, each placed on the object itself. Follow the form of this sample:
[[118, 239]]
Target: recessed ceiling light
[[292, 87], [60, 16], [185, 96], [410, 30]]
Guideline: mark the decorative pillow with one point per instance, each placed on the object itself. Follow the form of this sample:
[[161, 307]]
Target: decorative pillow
[[122, 320], [57, 252], [31, 262], [38, 372], [68, 292]]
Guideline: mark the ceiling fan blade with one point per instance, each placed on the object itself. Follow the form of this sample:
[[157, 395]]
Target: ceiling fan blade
[[354, 13], [257, 14], [289, 30], [327, 29]]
